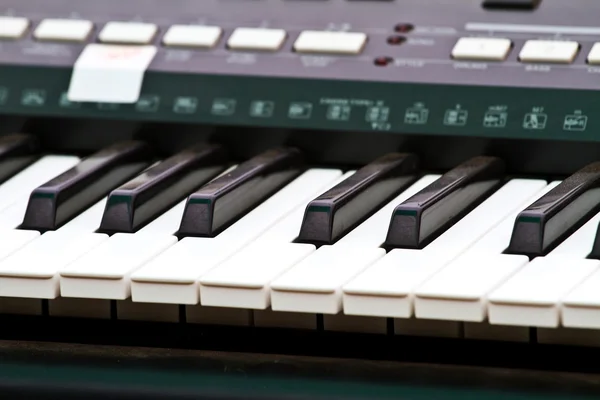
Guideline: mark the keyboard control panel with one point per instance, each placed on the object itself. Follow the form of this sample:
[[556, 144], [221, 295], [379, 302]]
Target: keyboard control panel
[[503, 69]]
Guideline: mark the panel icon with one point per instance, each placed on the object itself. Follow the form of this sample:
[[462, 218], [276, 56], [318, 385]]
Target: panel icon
[[575, 122]]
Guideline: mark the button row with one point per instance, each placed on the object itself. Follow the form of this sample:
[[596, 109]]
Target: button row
[[534, 51], [258, 39]]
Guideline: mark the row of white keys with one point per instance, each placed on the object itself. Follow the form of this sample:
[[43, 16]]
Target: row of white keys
[[314, 284], [14, 197], [386, 289], [33, 271], [458, 292], [104, 272], [243, 281], [581, 307], [173, 277], [533, 296]]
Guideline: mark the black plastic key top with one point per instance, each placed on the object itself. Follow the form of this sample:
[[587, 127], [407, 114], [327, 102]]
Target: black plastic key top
[[160, 187], [557, 214], [427, 214], [64, 197], [333, 214], [16, 152], [221, 202]]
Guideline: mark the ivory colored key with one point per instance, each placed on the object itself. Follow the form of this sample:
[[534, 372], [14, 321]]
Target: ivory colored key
[[555, 216], [581, 307], [532, 296], [423, 217], [226, 199], [315, 284], [459, 291], [386, 289], [62, 198], [173, 276], [160, 187], [337, 211], [33, 271], [104, 272], [243, 280]]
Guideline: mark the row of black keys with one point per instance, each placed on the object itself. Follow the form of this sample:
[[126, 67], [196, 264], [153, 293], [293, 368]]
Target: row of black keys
[[138, 191]]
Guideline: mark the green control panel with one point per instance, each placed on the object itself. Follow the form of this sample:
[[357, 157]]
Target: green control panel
[[504, 112]]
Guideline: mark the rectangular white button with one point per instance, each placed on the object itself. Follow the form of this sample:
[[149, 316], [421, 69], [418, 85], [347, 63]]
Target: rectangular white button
[[128, 33], [481, 49], [257, 39], [13, 27], [67, 30], [549, 51], [330, 42], [532, 296], [109, 73], [192, 36], [594, 55]]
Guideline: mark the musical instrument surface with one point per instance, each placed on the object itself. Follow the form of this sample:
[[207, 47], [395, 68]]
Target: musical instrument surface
[[276, 176]]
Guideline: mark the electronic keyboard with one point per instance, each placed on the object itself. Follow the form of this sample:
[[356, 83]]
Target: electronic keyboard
[[370, 180]]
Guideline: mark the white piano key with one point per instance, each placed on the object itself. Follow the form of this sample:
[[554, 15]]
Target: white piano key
[[173, 276], [581, 307], [315, 284], [19, 187], [458, 292], [104, 273], [532, 296], [32, 271], [386, 289], [243, 280]]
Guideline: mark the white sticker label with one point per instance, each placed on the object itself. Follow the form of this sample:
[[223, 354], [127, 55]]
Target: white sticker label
[[110, 73]]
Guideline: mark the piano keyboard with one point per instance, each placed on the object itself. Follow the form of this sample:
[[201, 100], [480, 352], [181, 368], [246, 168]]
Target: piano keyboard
[[273, 241]]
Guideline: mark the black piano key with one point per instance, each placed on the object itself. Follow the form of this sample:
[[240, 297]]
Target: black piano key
[[64, 197], [333, 214], [16, 152], [221, 202], [427, 214], [557, 214], [160, 187]]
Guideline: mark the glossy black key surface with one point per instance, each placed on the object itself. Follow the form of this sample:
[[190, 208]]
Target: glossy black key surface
[[160, 187], [16, 152], [334, 213], [557, 214], [427, 214], [224, 200], [64, 197]]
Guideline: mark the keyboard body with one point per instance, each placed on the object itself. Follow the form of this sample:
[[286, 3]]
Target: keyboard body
[[422, 90], [403, 91]]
